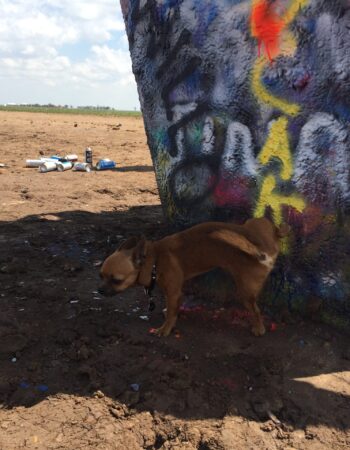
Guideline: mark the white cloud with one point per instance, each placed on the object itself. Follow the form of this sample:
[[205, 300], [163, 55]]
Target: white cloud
[[65, 44]]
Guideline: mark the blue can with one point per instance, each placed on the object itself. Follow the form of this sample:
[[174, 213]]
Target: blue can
[[105, 164]]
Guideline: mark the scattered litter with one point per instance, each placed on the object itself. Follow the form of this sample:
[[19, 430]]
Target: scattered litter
[[14, 360], [98, 263], [42, 388], [70, 161], [273, 326], [88, 156], [49, 166], [82, 167], [2, 165], [97, 298], [135, 387], [34, 162], [177, 334], [62, 166], [72, 158], [250, 389], [186, 357], [74, 301], [22, 309], [105, 164], [135, 309], [152, 330], [144, 317], [24, 385], [273, 418]]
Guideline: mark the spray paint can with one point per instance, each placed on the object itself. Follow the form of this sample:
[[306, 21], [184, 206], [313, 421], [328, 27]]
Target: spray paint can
[[88, 156], [48, 166], [82, 167], [64, 165], [72, 158], [105, 164]]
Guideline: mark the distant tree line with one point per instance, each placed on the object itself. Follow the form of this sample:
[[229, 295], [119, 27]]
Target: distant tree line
[[51, 105]]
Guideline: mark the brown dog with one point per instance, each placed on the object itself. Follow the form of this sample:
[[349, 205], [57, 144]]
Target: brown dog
[[248, 252]]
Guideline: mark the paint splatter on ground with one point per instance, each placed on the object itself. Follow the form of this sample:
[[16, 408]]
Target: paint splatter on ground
[[77, 371]]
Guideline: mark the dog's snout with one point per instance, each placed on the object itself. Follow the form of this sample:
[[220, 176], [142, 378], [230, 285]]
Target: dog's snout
[[106, 291]]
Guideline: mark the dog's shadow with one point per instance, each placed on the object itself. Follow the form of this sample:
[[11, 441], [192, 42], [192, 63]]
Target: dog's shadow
[[59, 336]]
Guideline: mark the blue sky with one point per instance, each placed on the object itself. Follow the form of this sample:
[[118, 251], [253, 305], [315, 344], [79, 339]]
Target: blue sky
[[65, 52]]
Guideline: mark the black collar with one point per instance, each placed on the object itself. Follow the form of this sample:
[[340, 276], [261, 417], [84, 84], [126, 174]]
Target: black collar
[[149, 289]]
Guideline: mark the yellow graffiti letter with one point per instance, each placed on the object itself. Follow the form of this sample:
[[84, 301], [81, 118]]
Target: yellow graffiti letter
[[270, 198], [277, 146], [264, 95]]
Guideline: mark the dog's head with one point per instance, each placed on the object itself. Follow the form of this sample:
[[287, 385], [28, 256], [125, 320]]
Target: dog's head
[[121, 269], [270, 235]]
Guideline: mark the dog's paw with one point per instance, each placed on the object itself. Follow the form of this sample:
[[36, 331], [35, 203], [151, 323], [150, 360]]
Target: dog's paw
[[258, 330]]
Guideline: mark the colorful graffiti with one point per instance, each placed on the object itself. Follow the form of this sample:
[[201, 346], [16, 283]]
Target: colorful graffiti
[[247, 109]]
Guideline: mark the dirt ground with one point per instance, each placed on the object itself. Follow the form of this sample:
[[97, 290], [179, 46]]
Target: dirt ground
[[81, 372]]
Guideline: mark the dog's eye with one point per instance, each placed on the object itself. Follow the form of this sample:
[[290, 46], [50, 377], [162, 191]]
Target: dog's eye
[[116, 281]]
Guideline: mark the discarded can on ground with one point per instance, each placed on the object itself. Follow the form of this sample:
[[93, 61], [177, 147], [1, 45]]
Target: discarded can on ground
[[48, 166], [72, 158], [49, 160], [34, 162], [105, 164], [82, 167], [88, 156], [65, 165]]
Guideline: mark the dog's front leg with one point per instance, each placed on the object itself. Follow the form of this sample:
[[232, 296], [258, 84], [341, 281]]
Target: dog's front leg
[[172, 310]]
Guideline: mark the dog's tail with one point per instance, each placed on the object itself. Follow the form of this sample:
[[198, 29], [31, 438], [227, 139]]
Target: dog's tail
[[240, 242]]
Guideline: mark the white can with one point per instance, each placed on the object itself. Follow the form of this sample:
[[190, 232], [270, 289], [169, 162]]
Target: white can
[[55, 160], [34, 162], [65, 165], [82, 167], [72, 158], [48, 166]]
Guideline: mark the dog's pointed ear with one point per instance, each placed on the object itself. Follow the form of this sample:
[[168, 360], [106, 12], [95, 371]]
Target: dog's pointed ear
[[283, 230], [129, 243], [139, 252]]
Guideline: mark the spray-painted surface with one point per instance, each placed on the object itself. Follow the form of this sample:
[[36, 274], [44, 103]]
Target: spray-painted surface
[[247, 107]]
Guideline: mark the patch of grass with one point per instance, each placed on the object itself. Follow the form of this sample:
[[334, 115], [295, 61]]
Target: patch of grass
[[83, 111]]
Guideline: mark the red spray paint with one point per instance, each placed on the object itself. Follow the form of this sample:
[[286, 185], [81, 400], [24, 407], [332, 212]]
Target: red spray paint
[[267, 26]]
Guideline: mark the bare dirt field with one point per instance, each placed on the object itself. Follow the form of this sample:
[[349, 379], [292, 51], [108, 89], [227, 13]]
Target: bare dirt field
[[81, 372]]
